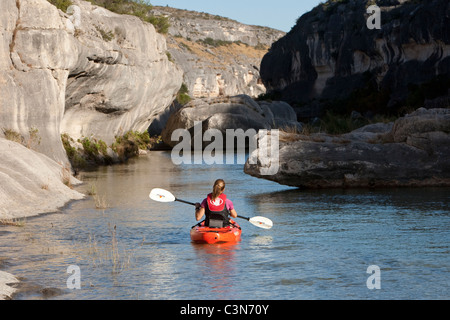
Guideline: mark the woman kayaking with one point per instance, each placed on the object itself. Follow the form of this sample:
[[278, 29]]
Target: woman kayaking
[[216, 207]]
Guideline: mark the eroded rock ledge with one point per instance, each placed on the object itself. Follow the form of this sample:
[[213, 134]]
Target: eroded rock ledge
[[238, 112], [412, 152]]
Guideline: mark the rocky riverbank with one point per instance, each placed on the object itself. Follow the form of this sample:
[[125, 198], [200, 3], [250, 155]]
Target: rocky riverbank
[[412, 152], [32, 183], [6, 282]]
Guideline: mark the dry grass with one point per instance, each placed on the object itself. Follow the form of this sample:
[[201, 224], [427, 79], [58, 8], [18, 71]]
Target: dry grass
[[13, 222], [100, 202], [112, 253], [221, 55], [66, 175], [31, 142], [12, 135], [290, 134], [92, 191]]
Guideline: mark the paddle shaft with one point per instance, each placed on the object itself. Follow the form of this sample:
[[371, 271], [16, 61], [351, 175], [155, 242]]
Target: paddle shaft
[[186, 202], [193, 204]]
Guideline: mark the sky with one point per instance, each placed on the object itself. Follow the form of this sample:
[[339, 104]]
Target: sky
[[278, 14]]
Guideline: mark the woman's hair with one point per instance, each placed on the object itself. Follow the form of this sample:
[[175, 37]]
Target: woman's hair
[[218, 188]]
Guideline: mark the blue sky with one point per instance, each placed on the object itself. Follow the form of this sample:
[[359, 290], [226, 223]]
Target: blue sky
[[281, 14]]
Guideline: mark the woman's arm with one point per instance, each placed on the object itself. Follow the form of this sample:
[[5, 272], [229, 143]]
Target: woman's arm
[[230, 207], [199, 212]]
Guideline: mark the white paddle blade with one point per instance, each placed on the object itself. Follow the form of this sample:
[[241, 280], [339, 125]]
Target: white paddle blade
[[162, 195], [261, 222]]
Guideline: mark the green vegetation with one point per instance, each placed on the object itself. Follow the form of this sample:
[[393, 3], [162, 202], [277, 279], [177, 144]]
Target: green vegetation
[[93, 147], [161, 24], [169, 56], [106, 35], [128, 145], [87, 152], [91, 152], [139, 8], [333, 123], [75, 156], [183, 95], [217, 43], [61, 4]]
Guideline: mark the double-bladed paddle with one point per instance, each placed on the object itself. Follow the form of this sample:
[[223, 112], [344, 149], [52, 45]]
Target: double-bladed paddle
[[162, 195]]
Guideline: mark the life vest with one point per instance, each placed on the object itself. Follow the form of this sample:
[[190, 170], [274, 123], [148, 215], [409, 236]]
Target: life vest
[[217, 214]]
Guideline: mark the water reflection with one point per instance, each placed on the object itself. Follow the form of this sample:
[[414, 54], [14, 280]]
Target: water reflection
[[320, 247], [218, 266]]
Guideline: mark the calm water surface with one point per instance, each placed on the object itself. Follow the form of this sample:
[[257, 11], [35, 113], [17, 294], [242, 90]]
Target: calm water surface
[[320, 247]]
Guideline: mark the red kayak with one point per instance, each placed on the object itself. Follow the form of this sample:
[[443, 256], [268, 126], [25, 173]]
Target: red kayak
[[230, 234]]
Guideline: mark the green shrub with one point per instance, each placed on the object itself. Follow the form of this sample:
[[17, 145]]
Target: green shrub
[[183, 95], [75, 157], [128, 145], [138, 8], [106, 35], [216, 43], [161, 24], [61, 4], [94, 152], [142, 139]]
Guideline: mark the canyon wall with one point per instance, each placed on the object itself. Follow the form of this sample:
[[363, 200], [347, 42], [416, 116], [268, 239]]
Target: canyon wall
[[331, 59], [92, 72]]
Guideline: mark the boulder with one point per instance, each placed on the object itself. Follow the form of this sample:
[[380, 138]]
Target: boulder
[[412, 152], [238, 112]]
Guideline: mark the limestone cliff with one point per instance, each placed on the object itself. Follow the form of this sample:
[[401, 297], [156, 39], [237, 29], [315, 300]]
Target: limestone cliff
[[330, 59], [86, 72], [219, 56], [98, 73]]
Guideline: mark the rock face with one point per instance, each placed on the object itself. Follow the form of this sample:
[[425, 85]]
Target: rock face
[[218, 71], [331, 57], [199, 25], [6, 290], [122, 80], [219, 56], [32, 183], [95, 74], [239, 112], [414, 151]]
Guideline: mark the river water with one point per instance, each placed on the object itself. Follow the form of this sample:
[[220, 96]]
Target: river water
[[321, 246]]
